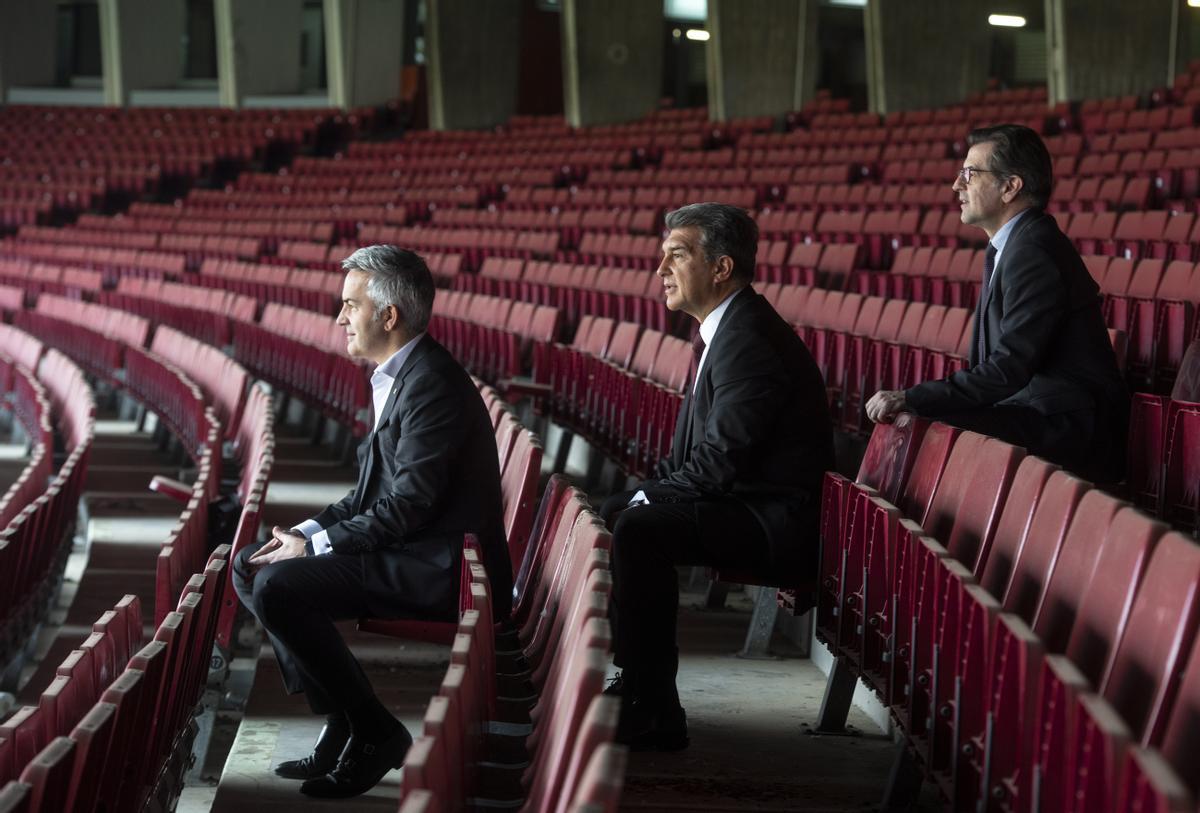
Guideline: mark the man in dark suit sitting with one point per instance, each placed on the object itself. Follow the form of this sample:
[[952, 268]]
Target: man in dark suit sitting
[[1043, 374], [392, 547], [741, 487]]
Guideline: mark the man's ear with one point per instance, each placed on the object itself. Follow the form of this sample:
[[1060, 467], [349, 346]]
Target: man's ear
[[1012, 188], [392, 319], [724, 269]]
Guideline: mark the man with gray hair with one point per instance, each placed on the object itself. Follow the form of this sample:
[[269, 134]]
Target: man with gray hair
[[741, 487], [392, 547]]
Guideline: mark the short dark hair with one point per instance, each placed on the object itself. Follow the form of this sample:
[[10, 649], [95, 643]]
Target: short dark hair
[[724, 231], [396, 276], [1019, 151]]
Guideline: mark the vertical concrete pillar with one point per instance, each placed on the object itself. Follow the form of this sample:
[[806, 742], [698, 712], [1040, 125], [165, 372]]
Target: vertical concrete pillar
[[926, 54], [471, 55], [364, 47], [27, 43], [258, 48], [141, 46], [762, 56], [612, 52], [1100, 48]]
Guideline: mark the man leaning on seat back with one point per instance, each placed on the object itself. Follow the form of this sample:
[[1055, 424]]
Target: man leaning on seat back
[[741, 486], [392, 547], [1042, 371]]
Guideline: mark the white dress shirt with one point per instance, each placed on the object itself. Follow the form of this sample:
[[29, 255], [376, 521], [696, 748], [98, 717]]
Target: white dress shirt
[[381, 386], [708, 331]]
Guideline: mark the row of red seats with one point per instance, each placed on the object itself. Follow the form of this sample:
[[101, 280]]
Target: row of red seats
[[79, 681], [129, 748], [558, 639], [323, 377], [207, 325], [26, 398], [34, 544], [620, 387], [578, 290], [493, 337], [987, 627], [113, 263]]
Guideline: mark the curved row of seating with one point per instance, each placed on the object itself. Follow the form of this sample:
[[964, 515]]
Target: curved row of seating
[[1030, 635], [35, 542], [26, 398], [121, 743]]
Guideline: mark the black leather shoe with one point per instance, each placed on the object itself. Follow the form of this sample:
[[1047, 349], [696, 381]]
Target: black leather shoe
[[650, 727], [322, 760], [360, 767]]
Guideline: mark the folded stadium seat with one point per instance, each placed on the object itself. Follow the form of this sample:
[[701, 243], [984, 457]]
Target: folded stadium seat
[[866, 363], [1137, 230], [819, 320], [895, 352], [1181, 479], [1175, 304], [1064, 194], [959, 285], [915, 498], [934, 289], [1175, 241], [772, 255], [1113, 286], [1134, 312], [1124, 714], [928, 265], [1086, 196], [793, 303], [1135, 639], [1164, 778]]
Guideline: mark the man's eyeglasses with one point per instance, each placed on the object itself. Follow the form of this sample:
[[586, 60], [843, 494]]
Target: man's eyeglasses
[[965, 174]]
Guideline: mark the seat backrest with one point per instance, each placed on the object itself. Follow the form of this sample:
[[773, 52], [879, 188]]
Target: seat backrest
[[890, 319], [1187, 380], [927, 470], [982, 478], [1181, 739], [1144, 678], [891, 454], [1015, 520], [647, 351], [1102, 602], [624, 339]]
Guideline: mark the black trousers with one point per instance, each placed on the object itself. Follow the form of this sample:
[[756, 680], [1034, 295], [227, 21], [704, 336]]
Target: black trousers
[[299, 600], [648, 542], [1085, 442]]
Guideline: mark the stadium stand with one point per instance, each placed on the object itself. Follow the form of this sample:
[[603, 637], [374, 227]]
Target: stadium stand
[[1031, 636]]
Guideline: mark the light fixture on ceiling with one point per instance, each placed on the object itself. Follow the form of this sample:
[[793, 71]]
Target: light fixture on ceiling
[[1006, 20], [697, 35]]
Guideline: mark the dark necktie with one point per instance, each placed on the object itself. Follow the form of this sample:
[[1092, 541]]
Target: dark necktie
[[697, 352], [989, 265]]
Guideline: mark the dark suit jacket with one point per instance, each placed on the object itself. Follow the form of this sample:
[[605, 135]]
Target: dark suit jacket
[[759, 431], [1047, 345], [427, 475]]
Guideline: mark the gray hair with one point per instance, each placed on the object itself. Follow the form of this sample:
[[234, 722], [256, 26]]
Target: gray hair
[[396, 276], [724, 231]]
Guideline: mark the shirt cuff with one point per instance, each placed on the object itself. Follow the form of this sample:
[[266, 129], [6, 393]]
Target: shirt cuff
[[639, 499], [320, 543], [316, 535]]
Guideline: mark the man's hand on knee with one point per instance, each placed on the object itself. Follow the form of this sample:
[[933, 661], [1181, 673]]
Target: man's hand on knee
[[284, 544]]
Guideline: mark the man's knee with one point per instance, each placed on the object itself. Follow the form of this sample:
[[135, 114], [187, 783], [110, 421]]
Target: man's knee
[[613, 508]]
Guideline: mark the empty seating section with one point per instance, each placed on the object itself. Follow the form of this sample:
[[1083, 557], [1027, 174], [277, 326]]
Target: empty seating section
[[998, 606], [1003, 612], [543, 676], [51, 398]]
